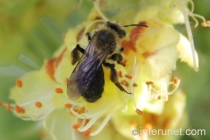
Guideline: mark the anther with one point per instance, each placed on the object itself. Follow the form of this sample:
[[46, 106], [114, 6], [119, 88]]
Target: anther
[[120, 74], [149, 83], [76, 126], [22, 110], [139, 111], [1, 103], [19, 83], [87, 133], [206, 24], [59, 90], [125, 83], [159, 97], [148, 126], [7, 106], [42, 134], [68, 105], [135, 85], [18, 109], [82, 110], [38, 104], [128, 76], [176, 80], [124, 63]]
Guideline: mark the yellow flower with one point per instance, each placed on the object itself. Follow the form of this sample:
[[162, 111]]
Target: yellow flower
[[150, 55]]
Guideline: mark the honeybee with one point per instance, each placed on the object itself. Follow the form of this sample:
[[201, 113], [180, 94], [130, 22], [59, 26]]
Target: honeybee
[[87, 79]]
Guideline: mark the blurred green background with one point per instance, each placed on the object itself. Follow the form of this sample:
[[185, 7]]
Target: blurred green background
[[31, 30]]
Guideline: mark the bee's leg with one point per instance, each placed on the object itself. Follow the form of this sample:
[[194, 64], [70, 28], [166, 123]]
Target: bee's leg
[[75, 54], [113, 76], [88, 36], [117, 57]]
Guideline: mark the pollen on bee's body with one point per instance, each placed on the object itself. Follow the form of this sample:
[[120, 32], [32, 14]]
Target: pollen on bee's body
[[59, 90], [38, 104], [19, 83]]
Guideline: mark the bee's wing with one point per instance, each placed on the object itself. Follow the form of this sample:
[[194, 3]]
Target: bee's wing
[[85, 71]]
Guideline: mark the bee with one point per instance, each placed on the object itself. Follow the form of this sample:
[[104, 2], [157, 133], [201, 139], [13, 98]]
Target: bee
[[87, 78]]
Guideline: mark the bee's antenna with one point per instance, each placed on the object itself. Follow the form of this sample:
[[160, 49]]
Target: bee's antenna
[[135, 25]]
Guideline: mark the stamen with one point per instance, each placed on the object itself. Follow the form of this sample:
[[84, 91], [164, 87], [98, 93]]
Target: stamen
[[59, 90], [120, 74], [104, 122], [22, 110], [162, 93], [38, 104], [18, 109], [139, 111], [135, 85], [128, 76], [76, 126], [186, 14], [124, 63], [42, 134], [96, 5], [82, 110], [68, 105], [7, 106], [148, 126], [87, 133], [206, 24], [1, 103], [125, 83], [78, 5], [19, 83]]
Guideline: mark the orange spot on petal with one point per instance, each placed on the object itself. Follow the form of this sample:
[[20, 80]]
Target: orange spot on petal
[[52, 64]]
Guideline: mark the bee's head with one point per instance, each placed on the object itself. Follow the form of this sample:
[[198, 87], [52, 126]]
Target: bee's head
[[121, 33]]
